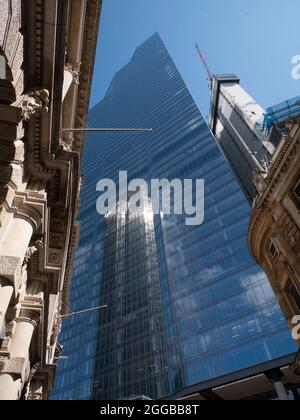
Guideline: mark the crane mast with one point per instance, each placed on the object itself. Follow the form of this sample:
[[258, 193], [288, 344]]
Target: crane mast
[[209, 72]]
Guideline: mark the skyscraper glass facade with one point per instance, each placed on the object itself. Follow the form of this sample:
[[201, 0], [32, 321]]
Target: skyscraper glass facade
[[185, 303]]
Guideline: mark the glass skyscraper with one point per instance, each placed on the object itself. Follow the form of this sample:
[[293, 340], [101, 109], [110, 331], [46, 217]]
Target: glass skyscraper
[[185, 303]]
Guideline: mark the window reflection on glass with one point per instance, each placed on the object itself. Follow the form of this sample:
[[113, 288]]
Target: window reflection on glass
[[131, 341]]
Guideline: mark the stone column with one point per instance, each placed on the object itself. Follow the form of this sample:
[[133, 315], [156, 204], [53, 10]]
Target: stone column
[[16, 239], [6, 292], [11, 384], [10, 387], [22, 338]]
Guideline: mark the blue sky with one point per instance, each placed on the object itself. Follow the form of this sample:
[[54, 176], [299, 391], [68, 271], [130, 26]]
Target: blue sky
[[255, 39]]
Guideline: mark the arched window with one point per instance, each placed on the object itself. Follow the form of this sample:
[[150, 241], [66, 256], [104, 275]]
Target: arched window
[[2, 67]]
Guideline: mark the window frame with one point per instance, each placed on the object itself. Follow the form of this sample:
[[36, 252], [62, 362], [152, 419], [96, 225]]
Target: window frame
[[288, 289]]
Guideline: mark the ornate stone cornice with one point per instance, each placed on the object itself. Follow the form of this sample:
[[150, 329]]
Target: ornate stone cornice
[[269, 188], [288, 150], [92, 15]]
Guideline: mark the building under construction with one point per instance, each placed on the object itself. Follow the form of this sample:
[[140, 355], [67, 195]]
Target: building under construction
[[247, 134]]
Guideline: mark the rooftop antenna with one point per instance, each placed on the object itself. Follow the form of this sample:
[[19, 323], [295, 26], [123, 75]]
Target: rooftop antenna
[[209, 73]]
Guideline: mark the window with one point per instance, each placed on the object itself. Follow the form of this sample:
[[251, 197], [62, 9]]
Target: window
[[2, 67], [294, 294], [273, 251]]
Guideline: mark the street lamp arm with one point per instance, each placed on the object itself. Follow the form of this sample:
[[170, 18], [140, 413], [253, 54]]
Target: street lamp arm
[[83, 312], [107, 130]]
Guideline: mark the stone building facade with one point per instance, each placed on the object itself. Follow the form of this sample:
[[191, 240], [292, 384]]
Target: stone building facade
[[274, 233], [47, 50]]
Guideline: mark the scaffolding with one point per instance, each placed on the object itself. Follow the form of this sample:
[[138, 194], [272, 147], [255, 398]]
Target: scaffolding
[[280, 113]]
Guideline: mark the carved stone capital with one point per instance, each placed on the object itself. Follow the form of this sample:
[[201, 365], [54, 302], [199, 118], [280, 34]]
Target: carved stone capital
[[75, 69], [31, 310], [31, 317], [35, 102]]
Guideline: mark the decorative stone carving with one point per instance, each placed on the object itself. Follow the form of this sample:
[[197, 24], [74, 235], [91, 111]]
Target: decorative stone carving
[[34, 103], [29, 253], [259, 182], [35, 396], [32, 249], [75, 70], [34, 390], [53, 258], [67, 143], [9, 329], [3, 362], [39, 243]]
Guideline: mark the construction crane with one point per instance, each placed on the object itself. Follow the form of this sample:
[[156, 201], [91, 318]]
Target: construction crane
[[209, 73]]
